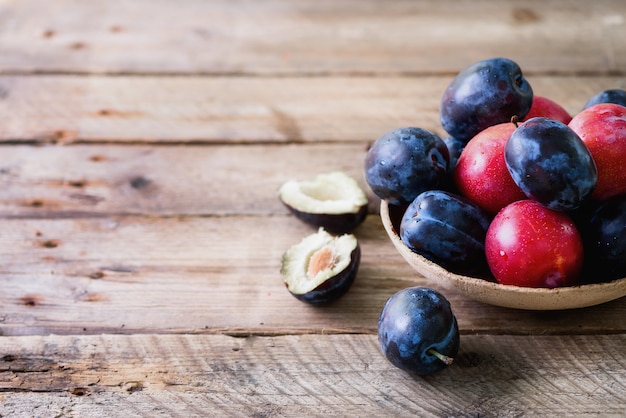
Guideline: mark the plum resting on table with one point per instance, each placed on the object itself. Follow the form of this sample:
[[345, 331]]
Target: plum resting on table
[[405, 162], [486, 93], [417, 331]]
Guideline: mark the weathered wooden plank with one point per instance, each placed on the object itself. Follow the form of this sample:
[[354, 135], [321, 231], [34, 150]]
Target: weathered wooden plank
[[132, 258], [92, 180], [340, 375], [216, 275], [309, 36], [66, 109]]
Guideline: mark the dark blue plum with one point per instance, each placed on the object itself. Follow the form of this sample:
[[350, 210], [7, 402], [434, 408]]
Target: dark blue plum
[[616, 96], [486, 93], [447, 229], [405, 162], [551, 164], [418, 332], [604, 237], [455, 147]]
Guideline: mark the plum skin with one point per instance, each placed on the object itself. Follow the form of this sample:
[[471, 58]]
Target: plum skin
[[481, 173], [455, 148], [529, 245], [412, 322], [604, 237], [548, 108], [337, 223], [486, 93], [602, 128], [615, 96], [405, 162], [551, 164], [447, 229]]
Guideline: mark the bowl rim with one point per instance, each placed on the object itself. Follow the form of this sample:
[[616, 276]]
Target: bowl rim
[[567, 297]]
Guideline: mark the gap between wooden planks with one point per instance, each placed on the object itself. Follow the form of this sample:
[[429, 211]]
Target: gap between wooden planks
[[193, 375]]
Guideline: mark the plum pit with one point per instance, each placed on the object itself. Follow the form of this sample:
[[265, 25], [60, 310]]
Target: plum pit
[[321, 267]]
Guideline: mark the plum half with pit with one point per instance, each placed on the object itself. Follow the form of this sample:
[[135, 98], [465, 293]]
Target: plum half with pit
[[406, 162], [321, 267], [417, 331], [333, 201]]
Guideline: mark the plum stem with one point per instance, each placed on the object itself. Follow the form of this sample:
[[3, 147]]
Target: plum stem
[[447, 360], [515, 120]]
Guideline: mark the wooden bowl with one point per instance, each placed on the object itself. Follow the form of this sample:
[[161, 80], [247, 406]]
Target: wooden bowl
[[498, 294]]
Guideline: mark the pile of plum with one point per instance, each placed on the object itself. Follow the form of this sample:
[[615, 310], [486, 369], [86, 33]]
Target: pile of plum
[[520, 192]]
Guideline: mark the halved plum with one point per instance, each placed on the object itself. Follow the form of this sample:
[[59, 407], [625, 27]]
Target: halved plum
[[321, 267], [333, 201]]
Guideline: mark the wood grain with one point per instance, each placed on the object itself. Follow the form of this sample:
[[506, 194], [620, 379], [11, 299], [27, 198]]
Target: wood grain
[[129, 274], [152, 109], [141, 147], [186, 375], [309, 37], [94, 180]]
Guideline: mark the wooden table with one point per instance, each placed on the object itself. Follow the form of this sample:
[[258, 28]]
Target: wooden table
[[142, 145]]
